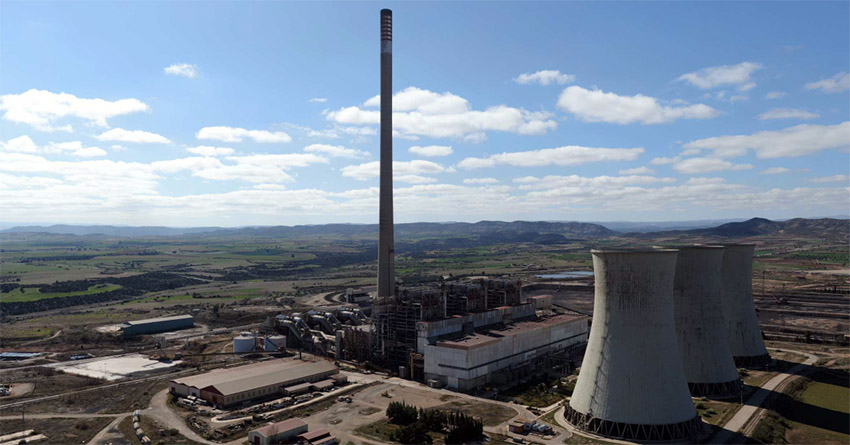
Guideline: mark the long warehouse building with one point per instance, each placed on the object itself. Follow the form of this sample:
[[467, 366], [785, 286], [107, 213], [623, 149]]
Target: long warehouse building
[[156, 325], [232, 386]]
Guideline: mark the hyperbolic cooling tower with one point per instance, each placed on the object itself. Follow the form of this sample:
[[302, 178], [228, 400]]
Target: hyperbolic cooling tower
[[739, 313], [707, 359], [632, 385]]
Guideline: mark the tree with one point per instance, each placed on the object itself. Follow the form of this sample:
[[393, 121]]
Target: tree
[[415, 433]]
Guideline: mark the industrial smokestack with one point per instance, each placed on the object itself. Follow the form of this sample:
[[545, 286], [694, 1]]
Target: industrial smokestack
[[707, 359], [632, 385], [739, 312], [386, 236]]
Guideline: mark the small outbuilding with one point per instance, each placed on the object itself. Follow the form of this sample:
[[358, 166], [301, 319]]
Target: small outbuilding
[[277, 432]]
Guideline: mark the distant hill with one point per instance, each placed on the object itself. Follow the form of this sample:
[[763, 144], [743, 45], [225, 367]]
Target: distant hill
[[820, 227], [547, 232]]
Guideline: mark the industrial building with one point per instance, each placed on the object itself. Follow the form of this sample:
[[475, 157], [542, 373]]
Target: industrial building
[[277, 432], [157, 325], [632, 385], [706, 357], [739, 312], [228, 387]]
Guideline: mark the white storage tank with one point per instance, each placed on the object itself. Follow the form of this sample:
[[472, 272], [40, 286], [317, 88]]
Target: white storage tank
[[244, 342], [274, 343]]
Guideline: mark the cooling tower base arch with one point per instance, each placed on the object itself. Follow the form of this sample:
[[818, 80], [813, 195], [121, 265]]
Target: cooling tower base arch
[[752, 361], [715, 389], [630, 431]]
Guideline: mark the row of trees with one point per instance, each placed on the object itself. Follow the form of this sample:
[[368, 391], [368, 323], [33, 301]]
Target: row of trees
[[417, 422]]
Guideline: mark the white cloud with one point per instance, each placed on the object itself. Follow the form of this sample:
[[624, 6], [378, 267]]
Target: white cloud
[[775, 95], [794, 141], [182, 69], [834, 178], [480, 181], [20, 144], [561, 156], [336, 151], [545, 77], [431, 150], [775, 171], [89, 152], [320, 100], [599, 106], [232, 134], [575, 181], [787, 113], [41, 109], [696, 166], [715, 76], [415, 179], [637, 171], [418, 112], [206, 150], [835, 84], [135, 136], [372, 169], [665, 160], [118, 147]]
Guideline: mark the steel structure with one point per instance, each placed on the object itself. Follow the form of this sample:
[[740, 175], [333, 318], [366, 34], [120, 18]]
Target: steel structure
[[707, 359], [739, 312], [632, 385]]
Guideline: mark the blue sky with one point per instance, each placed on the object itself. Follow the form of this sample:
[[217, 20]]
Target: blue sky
[[256, 113]]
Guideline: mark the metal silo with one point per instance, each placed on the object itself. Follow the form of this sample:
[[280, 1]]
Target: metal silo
[[739, 312], [631, 384]]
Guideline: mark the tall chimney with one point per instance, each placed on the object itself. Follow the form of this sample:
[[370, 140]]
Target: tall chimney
[[386, 237]]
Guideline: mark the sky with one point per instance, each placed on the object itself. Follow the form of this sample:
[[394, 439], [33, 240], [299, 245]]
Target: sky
[[265, 113]]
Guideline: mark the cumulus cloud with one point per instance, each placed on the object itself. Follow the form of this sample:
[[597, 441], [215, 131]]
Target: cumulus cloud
[[637, 171], [545, 77], [555, 181], [787, 113], [42, 109], [480, 181], [696, 166], [794, 141], [561, 156], [775, 171], [664, 160], [336, 151], [415, 179], [834, 178], [206, 150], [23, 144], [775, 95], [418, 112], [320, 100], [182, 69], [835, 84], [372, 169], [599, 106], [715, 76], [431, 150], [135, 136], [233, 134]]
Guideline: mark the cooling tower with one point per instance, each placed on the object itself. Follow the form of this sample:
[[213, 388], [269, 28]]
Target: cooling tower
[[632, 385], [739, 313], [706, 357]]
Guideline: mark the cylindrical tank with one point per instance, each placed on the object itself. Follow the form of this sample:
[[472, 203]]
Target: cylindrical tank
[[706, 357], [739, 312], [632, 385], [244, 343], [274, 343]]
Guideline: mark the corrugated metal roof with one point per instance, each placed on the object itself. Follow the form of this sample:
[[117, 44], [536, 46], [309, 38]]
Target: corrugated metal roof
[[313, 435], [159, 320], [224, 374], [273, 377], [280, 427]]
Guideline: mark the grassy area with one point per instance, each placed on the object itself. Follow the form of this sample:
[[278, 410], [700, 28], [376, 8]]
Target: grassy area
[[59, 431], [715, 412], [33, 293]]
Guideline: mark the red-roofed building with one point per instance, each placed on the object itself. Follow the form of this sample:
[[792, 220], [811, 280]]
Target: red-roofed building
[[277, 432]]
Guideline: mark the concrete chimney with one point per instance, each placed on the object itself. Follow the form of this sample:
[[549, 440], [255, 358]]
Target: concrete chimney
[[386, 236], [632, 385], [707, 359], [739, 312]]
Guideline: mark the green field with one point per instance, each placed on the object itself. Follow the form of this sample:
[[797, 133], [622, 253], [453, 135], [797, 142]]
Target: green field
[[33, 293]]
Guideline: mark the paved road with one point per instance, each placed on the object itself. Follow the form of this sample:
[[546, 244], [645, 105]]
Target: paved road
[[750, 413], [61, 416]]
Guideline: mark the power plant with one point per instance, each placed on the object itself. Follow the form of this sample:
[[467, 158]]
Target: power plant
[[631, 384], [739, 312], [707, 359]]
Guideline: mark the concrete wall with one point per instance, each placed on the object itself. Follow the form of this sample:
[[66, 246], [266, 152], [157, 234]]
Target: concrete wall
[[742, 326], [706, 356], [632, 370]]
